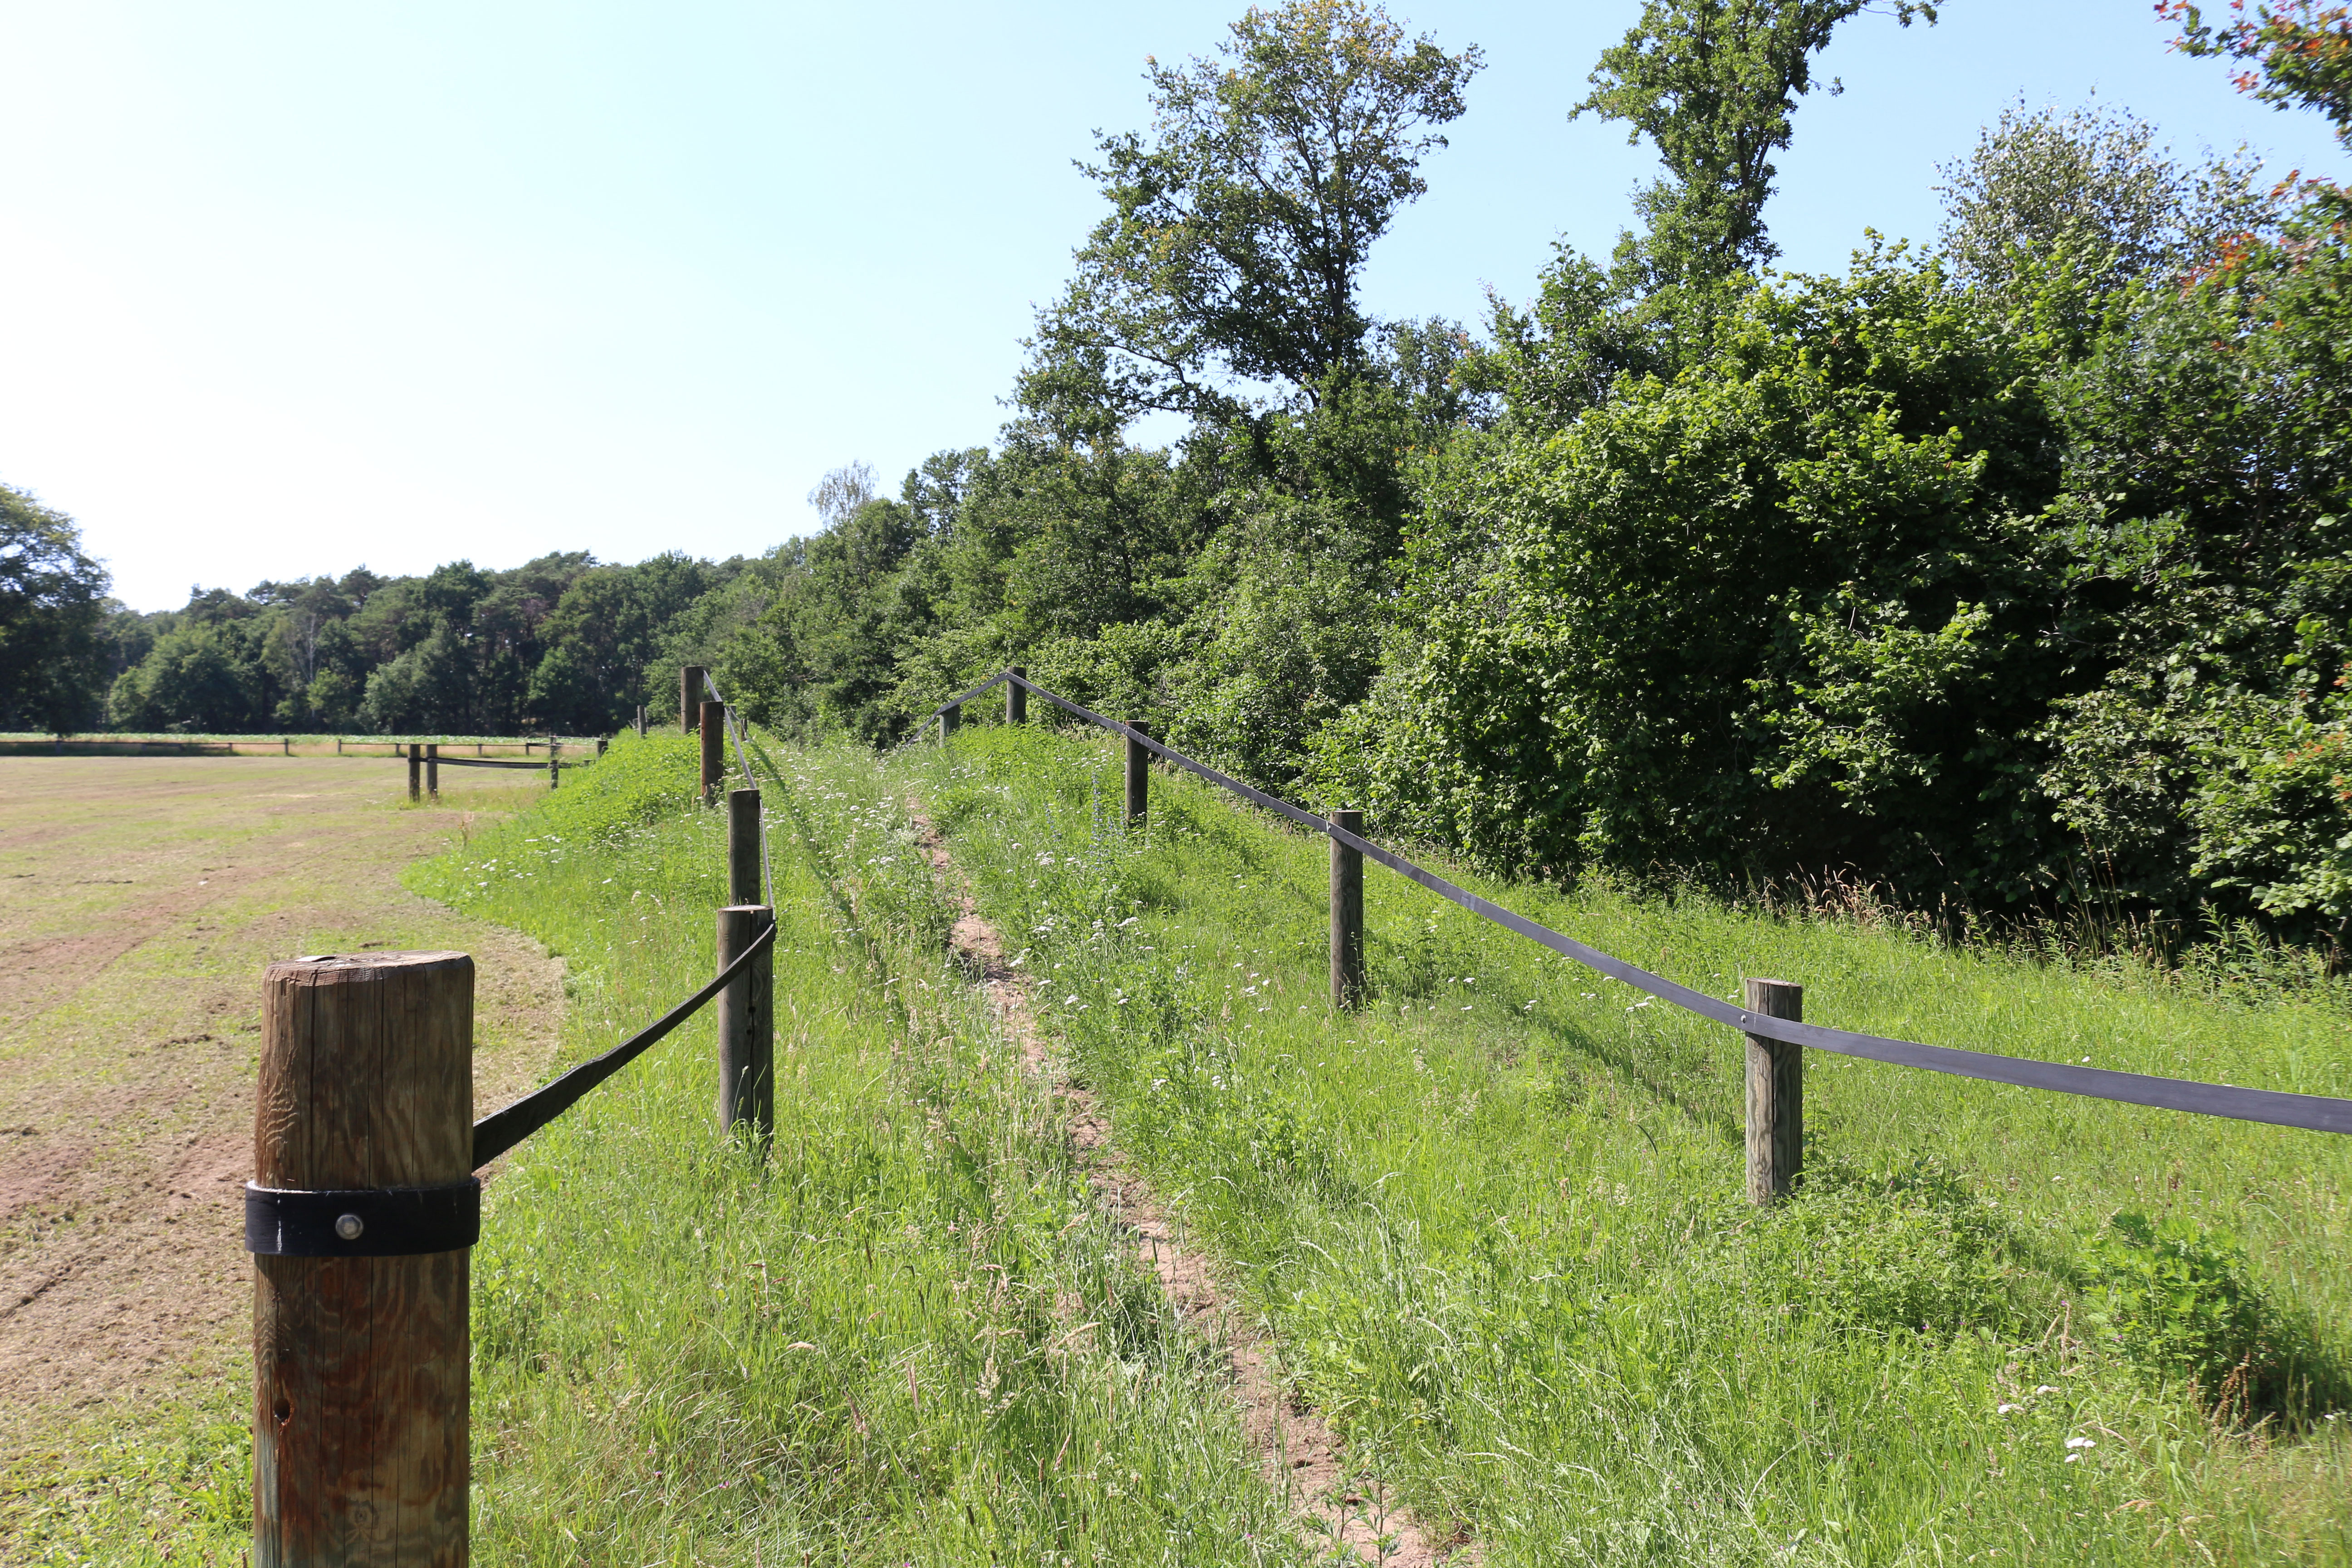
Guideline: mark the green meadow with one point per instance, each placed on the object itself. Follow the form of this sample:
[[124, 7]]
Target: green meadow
[[1494, 1218], [1491, 1221]]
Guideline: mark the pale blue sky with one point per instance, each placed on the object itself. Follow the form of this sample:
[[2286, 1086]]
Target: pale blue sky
[[290, 288]]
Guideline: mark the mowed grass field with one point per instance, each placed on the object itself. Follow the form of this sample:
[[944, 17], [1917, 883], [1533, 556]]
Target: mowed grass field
[[142, 898]]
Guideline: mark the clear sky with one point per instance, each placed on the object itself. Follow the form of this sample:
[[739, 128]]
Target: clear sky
[[286, 289]]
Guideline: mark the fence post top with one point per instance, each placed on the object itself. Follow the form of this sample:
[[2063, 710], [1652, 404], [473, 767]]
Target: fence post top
[[328, 968]]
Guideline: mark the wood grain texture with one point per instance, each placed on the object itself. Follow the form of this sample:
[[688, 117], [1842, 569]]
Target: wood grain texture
[[1347, 912], [360, 1380], [1776, 1096], [689, 697], [714, 750], [747, 1048], [1138, 774], [743, 847]]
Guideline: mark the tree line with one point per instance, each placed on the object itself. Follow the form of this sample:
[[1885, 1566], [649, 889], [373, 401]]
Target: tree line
[[2004, 570]]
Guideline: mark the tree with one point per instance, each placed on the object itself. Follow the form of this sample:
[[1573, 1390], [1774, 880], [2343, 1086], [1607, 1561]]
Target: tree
[[1712, 84], [52, 597], [842, 492], [203, 677], [1238, 233], [2096, 185]]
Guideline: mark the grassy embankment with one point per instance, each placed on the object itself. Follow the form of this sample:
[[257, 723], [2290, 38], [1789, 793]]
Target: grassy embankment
[[1494, 1217]]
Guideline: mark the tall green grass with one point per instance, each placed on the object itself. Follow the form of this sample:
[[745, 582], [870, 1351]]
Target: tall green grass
[[1493, 1216], [905, 1336]]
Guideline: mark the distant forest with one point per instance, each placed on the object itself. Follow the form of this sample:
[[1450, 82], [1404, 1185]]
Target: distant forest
[[2005, 570]]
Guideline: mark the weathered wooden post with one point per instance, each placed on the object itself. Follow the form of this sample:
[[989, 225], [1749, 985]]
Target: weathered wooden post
[[1347, 912], [743, 847], [415, 766], [601, 743], [690, 696], [1139, 775], [950, 717], [359, 1213], [433, 772], [714, 751], [554, 765], [746, 1085], [1016, 697], [285, 740], [1776, 1095]]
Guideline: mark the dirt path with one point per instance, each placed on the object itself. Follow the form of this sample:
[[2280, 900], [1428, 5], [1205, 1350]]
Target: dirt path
[[1303, 1457], [140, 899]]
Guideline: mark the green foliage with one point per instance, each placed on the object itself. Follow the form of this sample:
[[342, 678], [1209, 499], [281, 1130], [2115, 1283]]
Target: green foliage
[[2181, 1303], [1763, 615], [1911, 1249], [1713, 84], [201, 677], [1238, 234], [2094, 182], [52, 598], [1492, 1221]]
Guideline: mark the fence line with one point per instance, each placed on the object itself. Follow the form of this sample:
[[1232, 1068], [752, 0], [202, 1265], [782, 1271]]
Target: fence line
[[509, 1125], [2317, 1113], [739, 731], [365, 1160]]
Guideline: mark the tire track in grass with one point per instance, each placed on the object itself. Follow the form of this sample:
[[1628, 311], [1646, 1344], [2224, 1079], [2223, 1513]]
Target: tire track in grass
[[1302, 1456]]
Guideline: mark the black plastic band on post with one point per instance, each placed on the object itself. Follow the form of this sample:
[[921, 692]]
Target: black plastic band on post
[[370, 1222]]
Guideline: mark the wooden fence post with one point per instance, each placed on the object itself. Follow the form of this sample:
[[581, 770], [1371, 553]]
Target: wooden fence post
[[690, 696], [287, 742], [1016, 697], [415, 766], [714, 751], [433, 772], [743, 847], [554, 766], [1139, 775], [359, 1362], [1776, 1095], [601, 743], [1347, 912], [747, 1077], [950, 717]]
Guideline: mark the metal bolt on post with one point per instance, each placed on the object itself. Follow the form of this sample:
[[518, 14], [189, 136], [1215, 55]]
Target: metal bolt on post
[[359, 1215]]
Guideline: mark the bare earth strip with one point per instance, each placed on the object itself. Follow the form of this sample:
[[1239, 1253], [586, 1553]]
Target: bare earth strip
[[140, 899], [1302, 1456]]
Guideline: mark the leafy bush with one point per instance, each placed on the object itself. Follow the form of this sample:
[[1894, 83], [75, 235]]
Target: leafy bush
[[2176, 1302], [1906, 1248]]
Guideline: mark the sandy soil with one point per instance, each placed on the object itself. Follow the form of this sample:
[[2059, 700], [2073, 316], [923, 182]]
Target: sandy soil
[[1334, 1498], [140, 899]]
